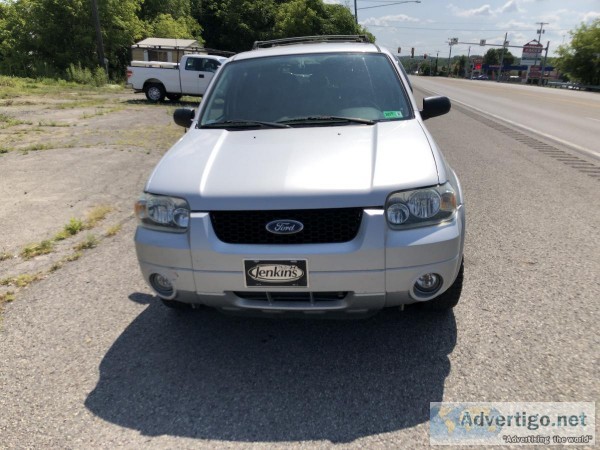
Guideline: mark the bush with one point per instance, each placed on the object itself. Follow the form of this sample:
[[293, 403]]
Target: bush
[[83, 75]]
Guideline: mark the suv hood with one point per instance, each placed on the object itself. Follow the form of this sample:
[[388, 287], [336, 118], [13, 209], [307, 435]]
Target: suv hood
[[296, 168]]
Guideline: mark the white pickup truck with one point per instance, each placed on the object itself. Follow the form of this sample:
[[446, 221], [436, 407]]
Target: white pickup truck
[[158, 80]]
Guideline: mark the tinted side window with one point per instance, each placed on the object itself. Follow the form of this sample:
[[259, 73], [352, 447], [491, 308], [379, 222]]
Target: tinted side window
[[210, 65], [193, 64]]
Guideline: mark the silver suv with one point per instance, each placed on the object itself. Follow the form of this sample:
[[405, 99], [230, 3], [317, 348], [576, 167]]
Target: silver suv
[[308, 183]]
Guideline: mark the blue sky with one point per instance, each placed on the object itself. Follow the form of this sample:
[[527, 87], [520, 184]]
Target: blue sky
[[427, 26]]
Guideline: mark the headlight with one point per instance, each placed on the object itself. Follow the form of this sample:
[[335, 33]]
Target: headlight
[[421, 207], [163, 213]]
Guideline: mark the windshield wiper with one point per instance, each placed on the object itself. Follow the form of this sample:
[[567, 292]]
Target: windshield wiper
[[327, 119], [244, 124]]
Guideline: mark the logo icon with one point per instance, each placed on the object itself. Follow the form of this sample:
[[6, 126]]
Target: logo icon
[[276, 273], [284, 226]]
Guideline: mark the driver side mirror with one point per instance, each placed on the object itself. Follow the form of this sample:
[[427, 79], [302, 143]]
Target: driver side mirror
[[435, 106], [184, 117]]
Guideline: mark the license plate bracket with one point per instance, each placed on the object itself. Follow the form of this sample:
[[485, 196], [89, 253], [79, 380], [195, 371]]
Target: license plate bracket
[[276, 273]]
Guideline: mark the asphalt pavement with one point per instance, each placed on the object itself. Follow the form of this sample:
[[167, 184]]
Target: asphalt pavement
[[90, 359]]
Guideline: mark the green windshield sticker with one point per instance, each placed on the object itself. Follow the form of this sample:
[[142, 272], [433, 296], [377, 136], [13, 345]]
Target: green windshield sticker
[[392, 114]]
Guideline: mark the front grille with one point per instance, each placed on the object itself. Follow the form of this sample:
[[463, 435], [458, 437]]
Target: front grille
[[321, 226], [309, 297]]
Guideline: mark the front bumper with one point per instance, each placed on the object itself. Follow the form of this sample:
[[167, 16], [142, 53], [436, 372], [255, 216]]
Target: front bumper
[[375, 270]]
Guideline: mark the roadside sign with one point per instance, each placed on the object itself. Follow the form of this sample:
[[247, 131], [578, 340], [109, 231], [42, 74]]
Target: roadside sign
[[482, 42], [532, 51], [535, 71]]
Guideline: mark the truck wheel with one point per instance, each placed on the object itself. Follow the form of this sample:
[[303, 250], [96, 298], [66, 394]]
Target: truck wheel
[[450, 298], [155, 92], [174, 97]]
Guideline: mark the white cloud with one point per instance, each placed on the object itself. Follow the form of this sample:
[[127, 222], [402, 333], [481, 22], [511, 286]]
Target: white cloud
[[589, 17], [388, 20], [514, 24], [510, 6], [486, 10]]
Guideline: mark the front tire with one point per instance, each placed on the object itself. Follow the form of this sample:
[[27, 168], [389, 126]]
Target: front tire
[[155, 92], [450, 298], [174, 97]]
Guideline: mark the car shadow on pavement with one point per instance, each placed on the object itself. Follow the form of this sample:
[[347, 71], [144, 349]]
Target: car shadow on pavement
[[206, 375]]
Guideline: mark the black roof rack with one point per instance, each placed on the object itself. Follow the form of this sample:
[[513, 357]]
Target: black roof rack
[[311, 39]]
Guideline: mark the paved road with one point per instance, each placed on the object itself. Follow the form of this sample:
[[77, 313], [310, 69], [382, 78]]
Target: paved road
[[570, 116], [89, 359]]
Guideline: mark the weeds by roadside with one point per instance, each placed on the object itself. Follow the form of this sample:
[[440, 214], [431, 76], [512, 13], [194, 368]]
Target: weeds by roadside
[[90, 241], [4, 256], [113, 230], [22, 280], [37, 249], [7, 121], [73, 228]]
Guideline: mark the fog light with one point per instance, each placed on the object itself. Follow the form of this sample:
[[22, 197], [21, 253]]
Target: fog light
[[428, 283], [161, 285]]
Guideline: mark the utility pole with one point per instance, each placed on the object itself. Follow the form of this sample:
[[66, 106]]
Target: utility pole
[[355, 12], [540, 31], [468, 66], [437, 55], [544, 64], [99, 43], [451, 42], [502, 57]]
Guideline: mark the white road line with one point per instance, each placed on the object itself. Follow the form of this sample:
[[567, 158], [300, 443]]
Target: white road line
[[584, 150], [593, 118]]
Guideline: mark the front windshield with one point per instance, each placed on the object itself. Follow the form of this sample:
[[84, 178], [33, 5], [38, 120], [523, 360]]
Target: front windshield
[[297, 88]]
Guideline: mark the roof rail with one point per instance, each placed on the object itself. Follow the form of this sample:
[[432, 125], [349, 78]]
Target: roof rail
[[311, 39]]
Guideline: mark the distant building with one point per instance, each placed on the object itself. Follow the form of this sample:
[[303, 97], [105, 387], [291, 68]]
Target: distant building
[[165, 50]]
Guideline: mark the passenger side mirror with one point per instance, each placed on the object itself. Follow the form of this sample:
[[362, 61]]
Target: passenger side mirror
[[435, 106], [184, 117]]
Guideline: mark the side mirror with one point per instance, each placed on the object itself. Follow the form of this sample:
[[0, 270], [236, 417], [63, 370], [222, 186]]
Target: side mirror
[[184, 117], [435, 106]]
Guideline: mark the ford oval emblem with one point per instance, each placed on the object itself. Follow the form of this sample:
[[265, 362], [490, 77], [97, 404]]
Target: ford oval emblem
[[284, 227]]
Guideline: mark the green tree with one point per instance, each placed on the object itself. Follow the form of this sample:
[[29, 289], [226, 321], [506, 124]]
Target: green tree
[[508, 59], [460, 66], [151, 9], [314, 18], [234, 24], [580, 59], [491, 57], [45, 37], [185, 27]]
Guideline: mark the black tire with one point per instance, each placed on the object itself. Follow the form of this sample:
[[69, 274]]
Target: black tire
[[450, 298], [174, 97], [155, 92]]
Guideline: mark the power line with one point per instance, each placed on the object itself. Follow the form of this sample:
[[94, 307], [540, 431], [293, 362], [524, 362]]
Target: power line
[[453, 29]]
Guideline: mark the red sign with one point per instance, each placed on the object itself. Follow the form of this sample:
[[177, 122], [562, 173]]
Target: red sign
[[535, 71], [532, 52]]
